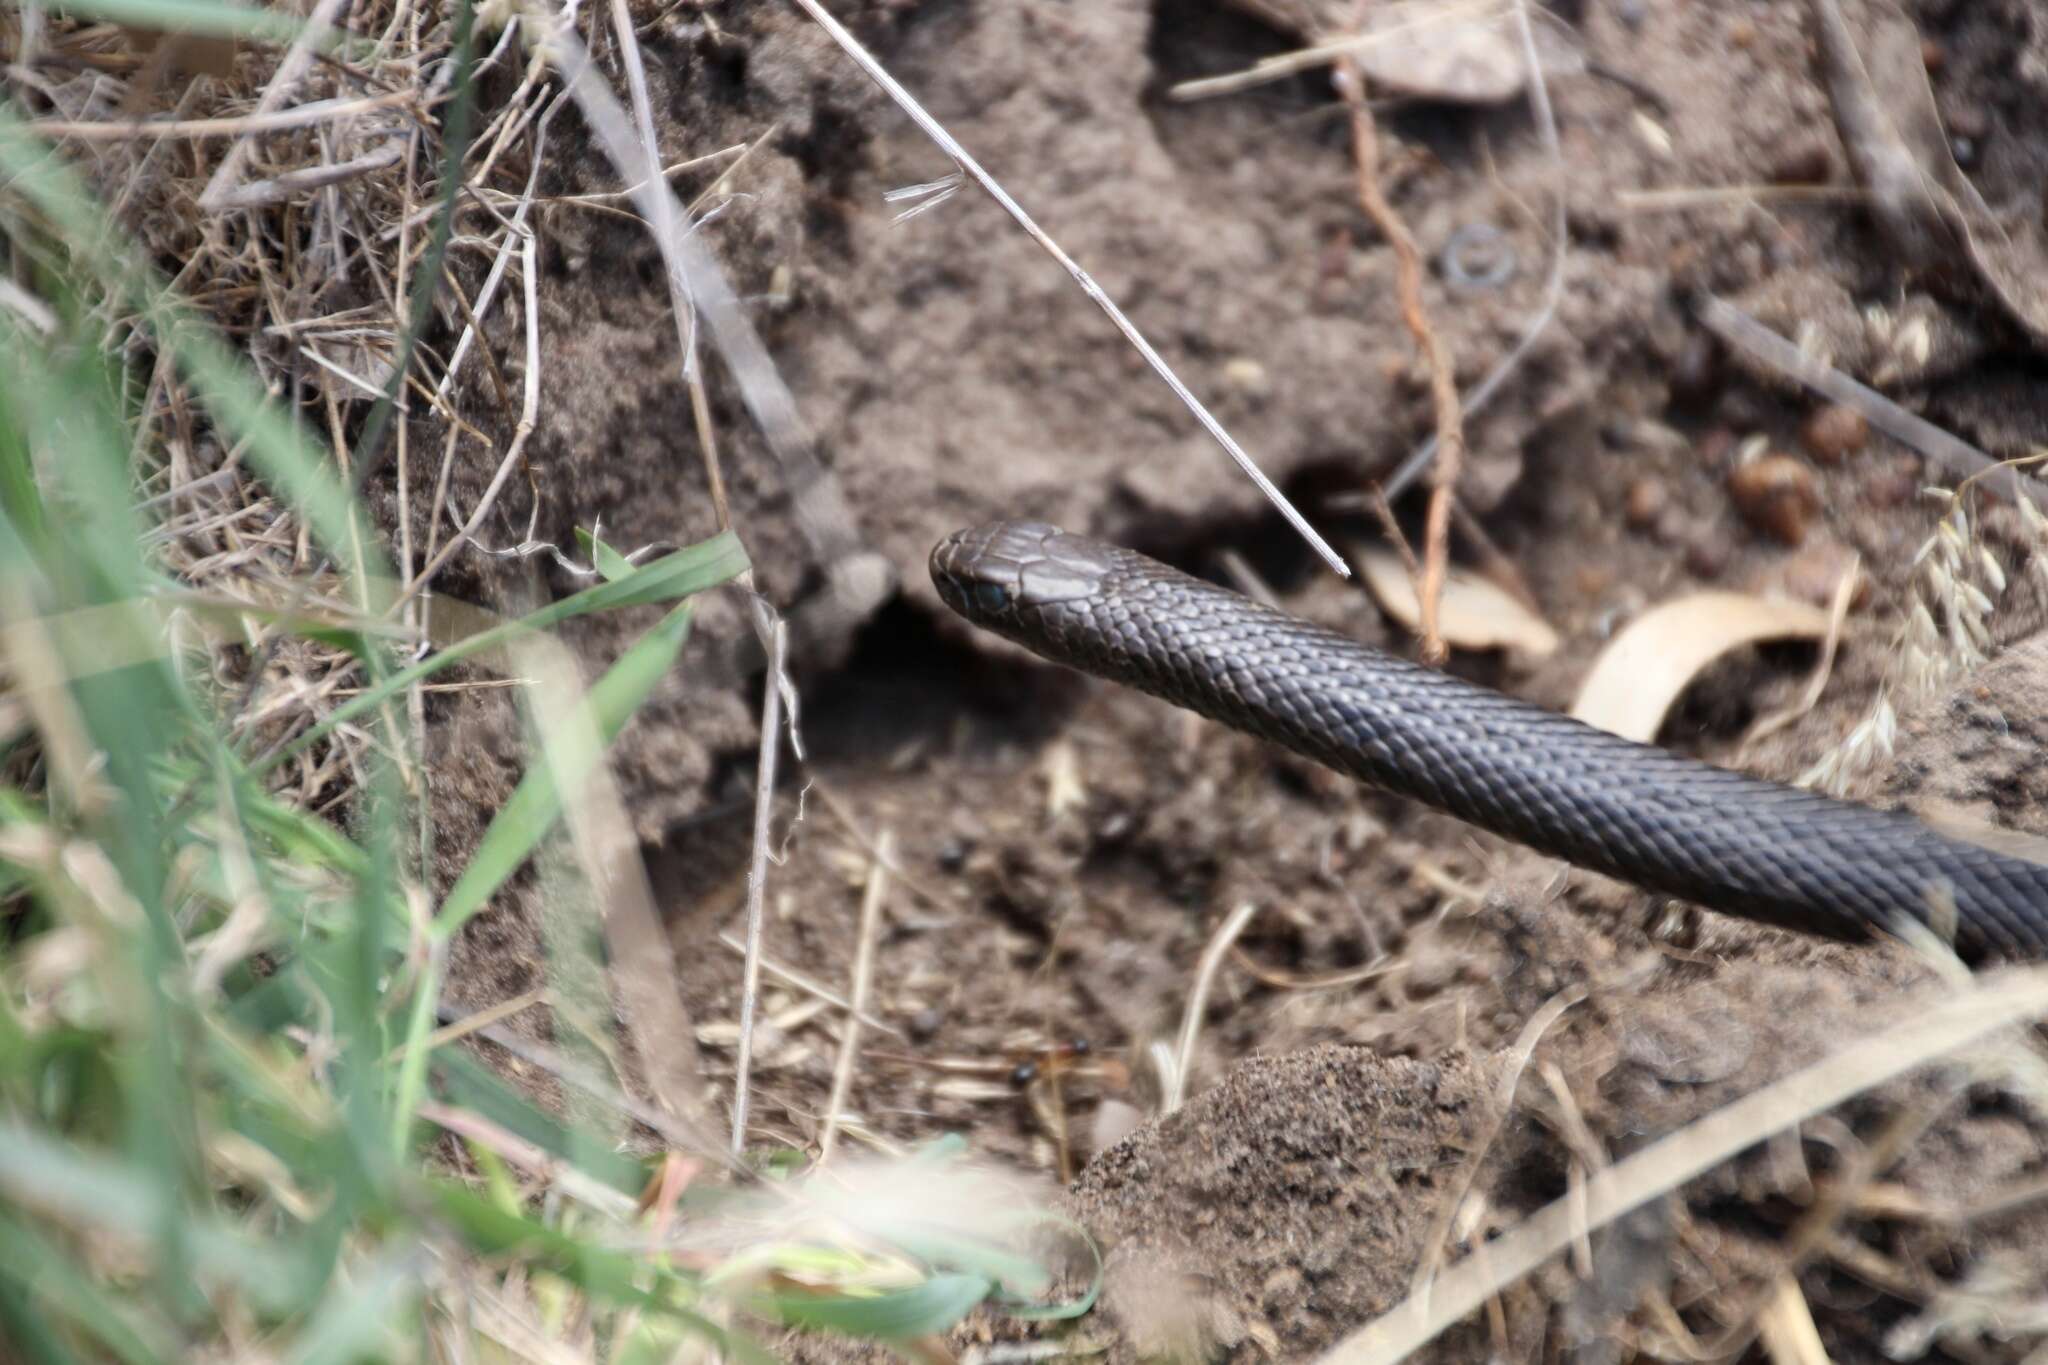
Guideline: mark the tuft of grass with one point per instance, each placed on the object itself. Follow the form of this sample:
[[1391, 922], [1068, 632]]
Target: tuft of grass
[[229, 1125], [1952, 601]]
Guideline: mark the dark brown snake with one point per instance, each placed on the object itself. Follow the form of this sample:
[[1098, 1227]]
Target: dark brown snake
[[1723, 840]]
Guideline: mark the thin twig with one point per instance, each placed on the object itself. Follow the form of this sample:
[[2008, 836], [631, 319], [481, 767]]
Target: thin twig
[[1553, 286], [1453, 1199], [291, 184], [528, 415], [1952, 453], [757, 870], [863, 976], [1450, 431], [1198, 998], [282, 83], [571, 1072], [952, 148], [304, 116], [1326, 53], [529, 1156], [811, 987]]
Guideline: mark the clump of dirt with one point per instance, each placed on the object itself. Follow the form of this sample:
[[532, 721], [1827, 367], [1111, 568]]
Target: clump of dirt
[[1305, 1189]]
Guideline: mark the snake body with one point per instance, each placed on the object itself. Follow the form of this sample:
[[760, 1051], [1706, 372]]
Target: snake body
[[1733, 843]]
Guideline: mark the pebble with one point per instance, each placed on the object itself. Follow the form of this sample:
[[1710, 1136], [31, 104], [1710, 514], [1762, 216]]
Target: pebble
[[1647, 499], [1777, 495], [1895, 486], [1706, 556], [1833, 433], [1968, 121], [1806, 161], [1715, 445], [1812, 573], [1673, 526], [1247, 376], [1695, 374]]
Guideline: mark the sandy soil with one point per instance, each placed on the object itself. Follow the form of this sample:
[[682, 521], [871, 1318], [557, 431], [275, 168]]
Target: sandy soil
[[1066, 849]]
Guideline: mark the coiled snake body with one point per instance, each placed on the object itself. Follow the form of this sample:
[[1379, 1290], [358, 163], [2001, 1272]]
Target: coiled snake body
[[1733, 843]]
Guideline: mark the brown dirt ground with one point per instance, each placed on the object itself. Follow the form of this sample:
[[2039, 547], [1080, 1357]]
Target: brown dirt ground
[[1066, 848]]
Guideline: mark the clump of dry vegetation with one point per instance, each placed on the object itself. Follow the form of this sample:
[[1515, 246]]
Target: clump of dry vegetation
[[235, 1119]]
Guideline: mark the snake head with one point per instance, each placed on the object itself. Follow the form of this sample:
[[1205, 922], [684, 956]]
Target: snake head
[[996, 575]]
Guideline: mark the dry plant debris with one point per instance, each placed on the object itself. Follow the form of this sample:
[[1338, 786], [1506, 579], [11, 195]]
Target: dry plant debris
[[1646, 667], [1475, 613]]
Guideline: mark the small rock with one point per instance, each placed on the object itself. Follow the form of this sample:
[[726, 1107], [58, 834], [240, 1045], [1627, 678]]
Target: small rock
[[1706, 556], [1696, 374], [1715, 446], [1968, 121], [1247, 376], [1777, 495], [1806, 161], [1673, 526], [925, 1024], [1833, 433], [1647, 499], [1812, 575], [1895, 486]]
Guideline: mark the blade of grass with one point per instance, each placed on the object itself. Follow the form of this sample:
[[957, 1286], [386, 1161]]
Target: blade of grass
[[921, 1310], [690, 570], [536, 803], [198, 17], [527, 816]]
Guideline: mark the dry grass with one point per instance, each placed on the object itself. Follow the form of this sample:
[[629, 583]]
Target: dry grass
[[345, 209]]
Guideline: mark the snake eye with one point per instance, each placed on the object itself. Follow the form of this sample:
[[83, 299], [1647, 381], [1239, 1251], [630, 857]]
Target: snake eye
[[991, 597]]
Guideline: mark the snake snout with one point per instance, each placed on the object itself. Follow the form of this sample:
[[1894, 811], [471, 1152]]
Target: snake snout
[[995, 573]]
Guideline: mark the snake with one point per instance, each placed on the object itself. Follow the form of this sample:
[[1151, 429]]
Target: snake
[[1727, 841]]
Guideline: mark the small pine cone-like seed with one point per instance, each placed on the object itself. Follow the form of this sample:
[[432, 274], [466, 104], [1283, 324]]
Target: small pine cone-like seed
[[1994, 573], [1979, 633], [1921, 624], [1951, 544], [2036, 524]]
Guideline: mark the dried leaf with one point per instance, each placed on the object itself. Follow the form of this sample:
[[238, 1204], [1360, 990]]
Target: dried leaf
[[1475, 614], [1645, 668]]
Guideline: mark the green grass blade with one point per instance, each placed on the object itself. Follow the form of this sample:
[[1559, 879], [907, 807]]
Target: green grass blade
[[361, 1320], [192, 16], [686, 572], [921, 1310], [536, 803], [51, 1288]]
